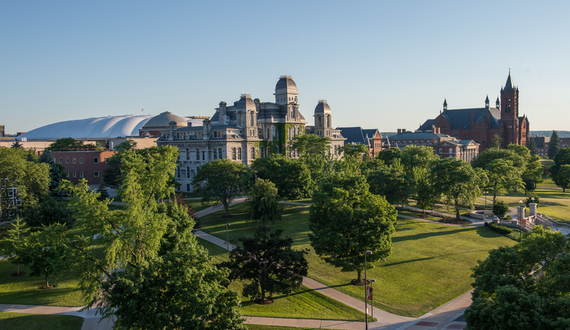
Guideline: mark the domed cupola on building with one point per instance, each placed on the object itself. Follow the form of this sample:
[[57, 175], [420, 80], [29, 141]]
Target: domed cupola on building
[[161, 123], [323, 119], [285, 91]]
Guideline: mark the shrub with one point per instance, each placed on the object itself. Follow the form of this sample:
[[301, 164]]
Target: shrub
[[500, 209], [499, 229]]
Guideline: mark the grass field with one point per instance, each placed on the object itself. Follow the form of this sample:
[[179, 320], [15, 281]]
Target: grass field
[[21, 321], [268, 327], [430, 265]]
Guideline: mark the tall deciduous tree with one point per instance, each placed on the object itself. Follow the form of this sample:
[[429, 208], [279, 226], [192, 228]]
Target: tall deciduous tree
[[269, 262], [561, 158], [150, 236], [56, 172], [69, 144], [392, 182], [16, 242], [553, 145], [563, 177], [291, 176], [315, 152], [221, 180], [388, 155], [504, 168], [112, 175], [500, 209], [525, 286], [458, 182], [263, 202], [496, 142], [346, 220]]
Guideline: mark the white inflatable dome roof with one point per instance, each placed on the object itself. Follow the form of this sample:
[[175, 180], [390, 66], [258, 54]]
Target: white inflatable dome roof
[[90, 128]]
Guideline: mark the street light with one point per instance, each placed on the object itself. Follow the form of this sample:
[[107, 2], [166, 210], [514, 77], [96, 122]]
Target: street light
[[365, 288], [227, 238], [520, 220], [372, 294]]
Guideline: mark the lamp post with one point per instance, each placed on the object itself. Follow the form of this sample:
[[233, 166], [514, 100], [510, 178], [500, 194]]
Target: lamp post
[[372, 293], [520, 220], [366, 288], [485, 198], [227, 237]]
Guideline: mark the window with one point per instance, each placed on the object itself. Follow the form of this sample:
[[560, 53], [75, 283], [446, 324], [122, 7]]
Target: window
[[197, 153], [178, 172], [60, 160], [219, 153], [187, 187], [252, 152], [95, 160], [81, 174], [239, 153], [450, 150], [203, 155], [233, 153], [215, 154], [74, 160], [187, 172], [66, 160], [96, 174], [80, 160], [251, 119], [107, 160]]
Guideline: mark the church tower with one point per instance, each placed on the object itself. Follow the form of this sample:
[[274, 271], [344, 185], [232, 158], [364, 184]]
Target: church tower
[[509, 113]]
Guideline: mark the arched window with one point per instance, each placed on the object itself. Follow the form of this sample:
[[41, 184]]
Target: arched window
[[239, 153], [187, 153], [188, 187], [252, 152], [251, 119], [197, 153], [262, 152], [215, 154], [220, 153], [188, 172], [328, 121], [234, 153]]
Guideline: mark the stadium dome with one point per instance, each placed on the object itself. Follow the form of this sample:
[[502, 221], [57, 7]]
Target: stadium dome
[[91, 128]]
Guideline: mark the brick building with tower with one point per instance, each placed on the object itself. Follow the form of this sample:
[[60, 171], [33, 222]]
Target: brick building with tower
[[482, 124]]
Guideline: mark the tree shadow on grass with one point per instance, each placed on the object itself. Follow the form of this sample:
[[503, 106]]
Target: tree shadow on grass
[[430, 258], [428, 235]]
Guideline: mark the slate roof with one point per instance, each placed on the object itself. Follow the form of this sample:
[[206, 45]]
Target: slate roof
[[357, 135], [461, 118], [417, 135]]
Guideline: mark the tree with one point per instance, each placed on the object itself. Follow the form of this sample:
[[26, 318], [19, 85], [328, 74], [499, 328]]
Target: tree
[[269, 262], [504, 168], [20, 180], [495, 143], [69, 143], [221, 180], [346, 220], [356, 151], [562, 158], [16, 242], [458, 182], [315, 152], [553, 145], [426, 195], [16, 145], [48, 212], [524, 286], [56, 172], [44, 255], [388, 155], [417, 157], [500, 209], [180, 290], [563, 177], [263, 202], [391, 182], [150, 236], [531, 145], [291, 176], [532, 174]]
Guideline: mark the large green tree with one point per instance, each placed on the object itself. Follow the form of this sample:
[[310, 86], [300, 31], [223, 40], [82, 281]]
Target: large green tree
[[69, 143], [525, 286], [56, 172], [263, 202], [392, 182], [112, 174], [315, 152], [269, 262], [346, 220], [164, 272], [291, 176], [561, 158], [458, 182], [531, 145], [388, 155], [504, 168], [221, 180], [553, 145], [563, 177]]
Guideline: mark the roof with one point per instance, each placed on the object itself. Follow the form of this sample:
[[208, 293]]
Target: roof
[[164, 119], [418, 135], [322, 107], [286, 82], [90, 128], [357, 135], [509, 84], [461, 118]]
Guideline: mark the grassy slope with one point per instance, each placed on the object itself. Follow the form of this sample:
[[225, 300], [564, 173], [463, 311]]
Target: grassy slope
[[20, 321], [430, 264]]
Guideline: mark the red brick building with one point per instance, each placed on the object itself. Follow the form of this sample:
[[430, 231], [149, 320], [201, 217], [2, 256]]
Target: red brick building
[[369, 137], [83, 164], [482, 124]]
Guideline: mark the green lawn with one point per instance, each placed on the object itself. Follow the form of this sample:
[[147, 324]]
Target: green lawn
[[23, 290], [20, 321], [430, 265], [303, 303], [268, 327]]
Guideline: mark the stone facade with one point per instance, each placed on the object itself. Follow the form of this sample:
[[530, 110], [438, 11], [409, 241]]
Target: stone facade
[[482, 124], [246, 130]]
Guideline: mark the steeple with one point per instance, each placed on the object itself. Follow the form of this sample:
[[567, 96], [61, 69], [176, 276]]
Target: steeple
[[487, 102], [498, 103], [509, 83], [445, 104]]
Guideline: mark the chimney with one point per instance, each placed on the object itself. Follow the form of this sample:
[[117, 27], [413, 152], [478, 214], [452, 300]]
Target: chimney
[[172, 128], [206, 129]]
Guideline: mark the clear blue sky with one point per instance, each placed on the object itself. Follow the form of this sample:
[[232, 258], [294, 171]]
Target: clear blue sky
[[380, 64]]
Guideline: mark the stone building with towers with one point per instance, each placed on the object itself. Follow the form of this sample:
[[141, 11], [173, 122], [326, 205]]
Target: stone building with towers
[[246, 130], [482, 124]]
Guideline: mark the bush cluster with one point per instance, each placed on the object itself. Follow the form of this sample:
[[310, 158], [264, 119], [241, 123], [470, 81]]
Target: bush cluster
[[498, 228]]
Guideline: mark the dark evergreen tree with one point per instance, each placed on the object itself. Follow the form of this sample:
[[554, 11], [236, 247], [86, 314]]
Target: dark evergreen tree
[[553, 145], [531, 145]]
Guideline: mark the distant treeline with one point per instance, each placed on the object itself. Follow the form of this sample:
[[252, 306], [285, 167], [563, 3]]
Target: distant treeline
[[562, 134]]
